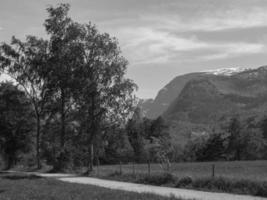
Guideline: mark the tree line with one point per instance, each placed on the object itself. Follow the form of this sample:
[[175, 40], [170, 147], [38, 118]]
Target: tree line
[[235, 139]]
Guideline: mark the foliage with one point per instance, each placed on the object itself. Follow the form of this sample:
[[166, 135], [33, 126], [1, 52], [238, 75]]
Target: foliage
[[157, 179], [136, 136], [237, 140], [15, 123], [185, 181], [76, 83], [149, 139], [24, 62], [229, 185]]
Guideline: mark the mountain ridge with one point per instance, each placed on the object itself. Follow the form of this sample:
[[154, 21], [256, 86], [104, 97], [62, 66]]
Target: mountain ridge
[[197, 102], [166, 95]]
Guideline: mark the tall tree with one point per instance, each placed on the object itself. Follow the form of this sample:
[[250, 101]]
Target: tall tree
[[24, 62], [64, 54], [87, 71], [105, 93]]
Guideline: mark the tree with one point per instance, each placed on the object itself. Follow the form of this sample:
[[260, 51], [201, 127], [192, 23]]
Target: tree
[[24, 62], [236, 144], [59, 73], [15, 122], [263, 127], [105, 93], [214, 148], [116, 145], [136, 135], [78, 70], [160, 147]]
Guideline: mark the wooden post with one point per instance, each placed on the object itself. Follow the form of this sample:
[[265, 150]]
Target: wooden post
[[91, 158], [148, 167], [97, 163], [133, 169], [213, 170], [120, 169]]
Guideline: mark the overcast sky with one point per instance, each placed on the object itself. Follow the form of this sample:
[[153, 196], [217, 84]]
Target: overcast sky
[[160, 38]]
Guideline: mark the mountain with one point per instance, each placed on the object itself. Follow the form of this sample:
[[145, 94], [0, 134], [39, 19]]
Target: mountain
[[196, 102], [167, 95]]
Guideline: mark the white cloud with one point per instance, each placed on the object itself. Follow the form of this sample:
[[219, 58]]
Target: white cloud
[[233, 50], [210, 21], [172, 37], [148, 46], [151, 46]]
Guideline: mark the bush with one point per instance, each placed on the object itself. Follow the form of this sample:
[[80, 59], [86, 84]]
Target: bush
[[184, 182], [221, 184], [158, 179], [218, 184], [124, 177]]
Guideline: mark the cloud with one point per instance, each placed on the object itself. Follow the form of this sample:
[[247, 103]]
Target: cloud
[[210, 21], [148, 46], [148, 38], [145, 45], [1, 28], [222, 51]]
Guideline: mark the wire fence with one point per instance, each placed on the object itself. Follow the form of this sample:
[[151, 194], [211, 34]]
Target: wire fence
[[155, 168], [252, 170]]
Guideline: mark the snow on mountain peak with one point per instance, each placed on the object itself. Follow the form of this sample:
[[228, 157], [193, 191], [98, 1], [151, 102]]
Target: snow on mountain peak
[[226, 71]]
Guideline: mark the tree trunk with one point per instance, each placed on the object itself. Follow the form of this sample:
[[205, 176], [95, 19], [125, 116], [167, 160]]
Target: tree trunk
[[91, 134], [38, 142], [62, 135], [91, 160]]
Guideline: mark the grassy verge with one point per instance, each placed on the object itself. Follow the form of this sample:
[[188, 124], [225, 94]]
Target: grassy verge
[[25, 187], [251, 170], [216, 184]]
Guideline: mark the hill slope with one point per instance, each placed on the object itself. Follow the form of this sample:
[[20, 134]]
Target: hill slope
[[196, 102]]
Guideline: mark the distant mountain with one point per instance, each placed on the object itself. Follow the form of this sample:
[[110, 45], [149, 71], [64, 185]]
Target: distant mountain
[[167, 95], [196, 102], [145, 105]]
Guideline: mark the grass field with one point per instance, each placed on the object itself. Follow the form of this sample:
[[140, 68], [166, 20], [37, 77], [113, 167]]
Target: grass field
[[249, 170], [243, 177], [26, 187]]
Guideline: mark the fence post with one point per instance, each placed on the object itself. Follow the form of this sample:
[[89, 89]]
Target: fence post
[[133, 169], [148, 167], [120, 169], [97, 163], [213, 170]]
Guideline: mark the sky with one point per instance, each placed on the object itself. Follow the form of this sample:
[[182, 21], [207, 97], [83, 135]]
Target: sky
[[161, 39]]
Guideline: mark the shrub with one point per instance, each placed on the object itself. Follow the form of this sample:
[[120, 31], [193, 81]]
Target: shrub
[[184, 182], [158, 179], [256, 188]]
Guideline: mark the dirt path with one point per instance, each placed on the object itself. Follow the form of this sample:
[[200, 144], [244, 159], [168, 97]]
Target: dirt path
[[158, 190]]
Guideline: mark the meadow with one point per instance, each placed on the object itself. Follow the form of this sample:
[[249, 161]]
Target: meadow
[[249, 170], [239, 177]]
